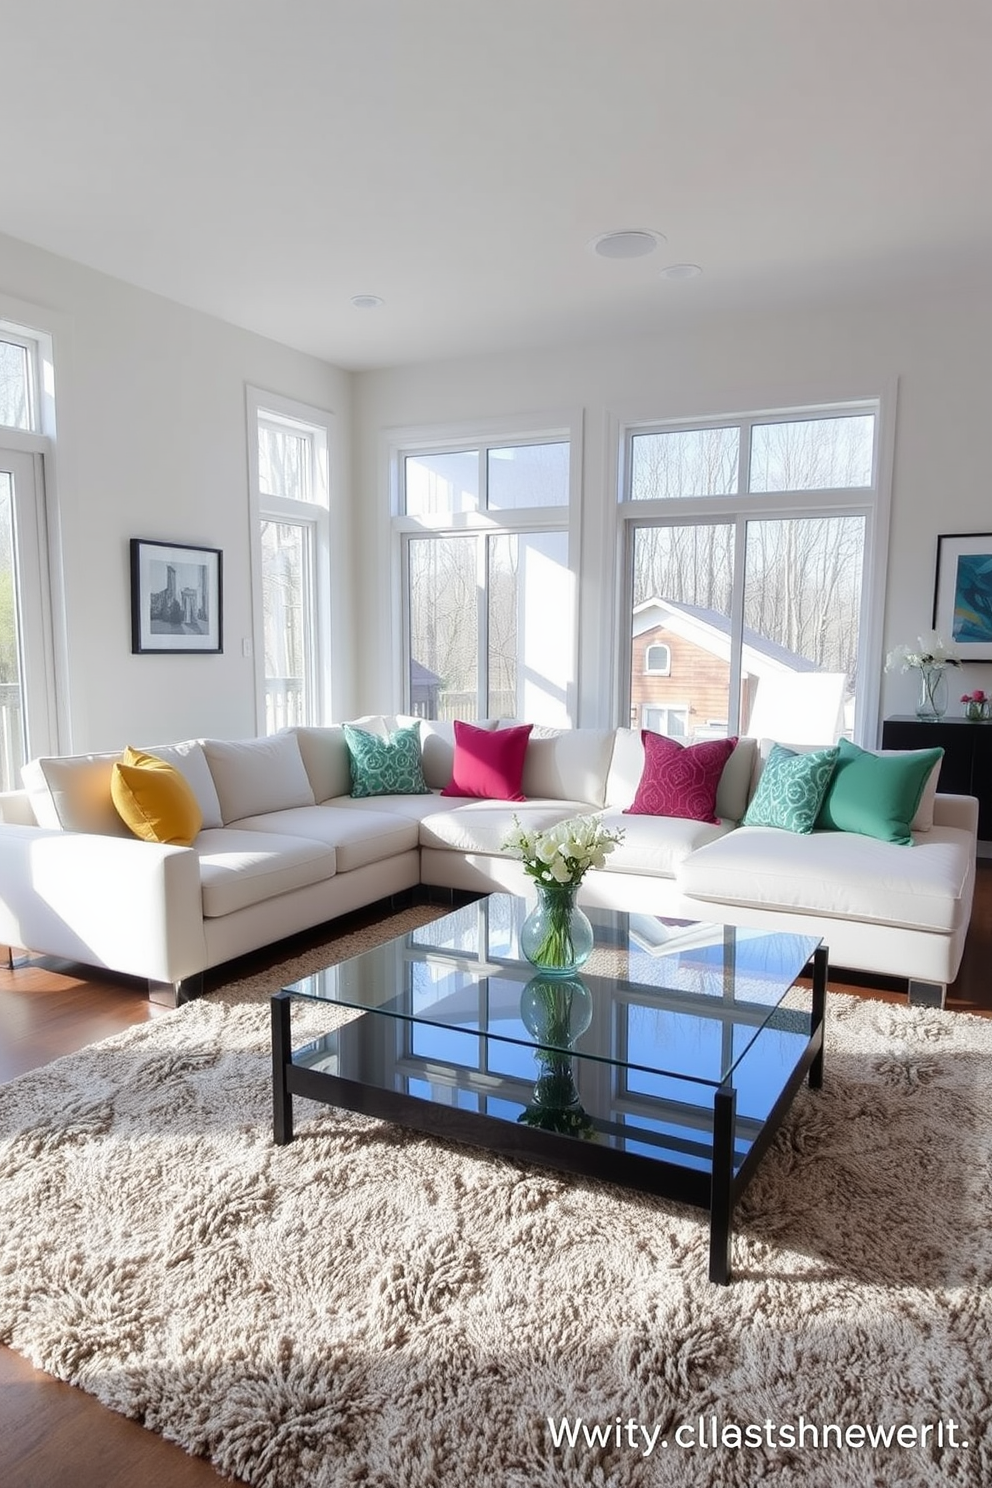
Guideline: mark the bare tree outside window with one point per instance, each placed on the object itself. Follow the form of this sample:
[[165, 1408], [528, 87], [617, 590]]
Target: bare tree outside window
[[443, 618], [684, 462], [283, 628], [283, 463], [15, 400]]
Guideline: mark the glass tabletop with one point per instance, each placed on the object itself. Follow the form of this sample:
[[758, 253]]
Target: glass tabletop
[[663, 1000]]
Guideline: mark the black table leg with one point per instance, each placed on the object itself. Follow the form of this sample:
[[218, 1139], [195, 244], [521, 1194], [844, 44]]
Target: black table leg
[[819, 1012], [721, 1196], [282, 1100]]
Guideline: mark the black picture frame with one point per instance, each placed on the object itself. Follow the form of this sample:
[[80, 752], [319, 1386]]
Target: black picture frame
[[962, 593], [177, 594]]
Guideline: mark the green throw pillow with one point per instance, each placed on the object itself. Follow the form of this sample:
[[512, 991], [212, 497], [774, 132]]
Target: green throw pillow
[[791, 788], [876, 795], [385, 767]]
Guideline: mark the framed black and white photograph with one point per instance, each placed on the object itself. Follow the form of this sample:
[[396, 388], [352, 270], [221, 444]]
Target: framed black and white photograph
[[962, 598], [176, 592]]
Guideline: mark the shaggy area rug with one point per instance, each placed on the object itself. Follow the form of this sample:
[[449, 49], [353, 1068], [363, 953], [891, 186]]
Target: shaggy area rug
[[366, 1306]]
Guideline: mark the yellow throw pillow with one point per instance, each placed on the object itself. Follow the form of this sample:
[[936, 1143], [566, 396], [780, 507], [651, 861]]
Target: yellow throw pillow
[[154, 799]]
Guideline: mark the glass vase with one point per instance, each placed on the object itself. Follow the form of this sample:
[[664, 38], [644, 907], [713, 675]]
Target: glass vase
[[933, 694], [556, 936]]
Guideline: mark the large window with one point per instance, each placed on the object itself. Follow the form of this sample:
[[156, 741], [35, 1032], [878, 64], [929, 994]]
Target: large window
[[291, 495], [487, 590], [27, 665], [746, 544]]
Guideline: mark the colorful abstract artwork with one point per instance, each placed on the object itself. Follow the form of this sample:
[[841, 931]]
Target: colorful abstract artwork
[[962, 602]]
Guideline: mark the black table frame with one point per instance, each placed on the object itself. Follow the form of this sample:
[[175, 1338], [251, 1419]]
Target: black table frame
[[718, 1190]]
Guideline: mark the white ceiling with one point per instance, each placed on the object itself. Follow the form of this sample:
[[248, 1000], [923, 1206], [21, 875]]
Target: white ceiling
[[265, 160]]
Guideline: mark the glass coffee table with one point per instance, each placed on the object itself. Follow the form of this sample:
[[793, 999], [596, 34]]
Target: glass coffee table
[[666, 1065]]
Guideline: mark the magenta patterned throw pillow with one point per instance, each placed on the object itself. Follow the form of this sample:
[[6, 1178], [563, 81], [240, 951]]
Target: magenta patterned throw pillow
[[680, 780]]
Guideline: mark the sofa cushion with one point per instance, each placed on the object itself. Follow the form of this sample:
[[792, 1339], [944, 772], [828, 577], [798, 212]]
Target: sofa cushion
[[191, 762], [257, 775], [325, 759], [154, 799], [488, 764], [480, 826], [627, 766], [836, 874], [791, 789], [654, 848], [357, 837], [877, 795], [568, 763], [410, 808], [385, 767], [239, 869], [71, 793], [680, 780]]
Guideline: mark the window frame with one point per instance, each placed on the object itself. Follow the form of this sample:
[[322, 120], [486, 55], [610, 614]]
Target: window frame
[[872, 503], [18, 336], [658, 671], [483, 523], [314, 516], [47, 708]]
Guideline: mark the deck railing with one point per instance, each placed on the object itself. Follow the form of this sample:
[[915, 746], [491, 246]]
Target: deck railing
[[283, 703], [11, 736]]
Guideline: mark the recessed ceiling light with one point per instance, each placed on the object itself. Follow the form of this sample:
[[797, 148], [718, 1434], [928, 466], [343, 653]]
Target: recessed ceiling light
[[628, 242], [366, 302], [681, 271]]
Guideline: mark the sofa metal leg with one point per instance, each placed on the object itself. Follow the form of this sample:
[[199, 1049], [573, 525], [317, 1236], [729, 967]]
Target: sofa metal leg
[[174, 994], [926, 994]]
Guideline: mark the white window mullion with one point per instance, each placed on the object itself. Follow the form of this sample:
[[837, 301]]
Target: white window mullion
[[482, 601], [737, 628]]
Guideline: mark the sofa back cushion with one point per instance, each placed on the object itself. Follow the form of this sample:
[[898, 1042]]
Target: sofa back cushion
[[71, 793], [254, 776], [627, 767], [191, 762], [325, 759], [566, 764]]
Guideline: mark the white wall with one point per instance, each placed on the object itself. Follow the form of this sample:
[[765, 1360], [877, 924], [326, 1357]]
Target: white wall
[[933, 357], [152, 443]]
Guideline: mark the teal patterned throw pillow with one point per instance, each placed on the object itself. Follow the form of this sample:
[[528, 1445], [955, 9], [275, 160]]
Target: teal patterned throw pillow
[[385, 767], [791, 789]]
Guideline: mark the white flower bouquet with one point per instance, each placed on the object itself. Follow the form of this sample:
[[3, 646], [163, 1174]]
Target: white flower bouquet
[[929, 651], [562, 854]]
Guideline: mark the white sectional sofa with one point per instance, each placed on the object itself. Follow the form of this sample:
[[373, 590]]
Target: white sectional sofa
[[285, 846]]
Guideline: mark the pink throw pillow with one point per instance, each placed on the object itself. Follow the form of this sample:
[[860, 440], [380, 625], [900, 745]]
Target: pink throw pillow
[[680, 780], [489, 763]]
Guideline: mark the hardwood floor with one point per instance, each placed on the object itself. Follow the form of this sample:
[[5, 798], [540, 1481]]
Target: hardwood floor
[[51, 1433]]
